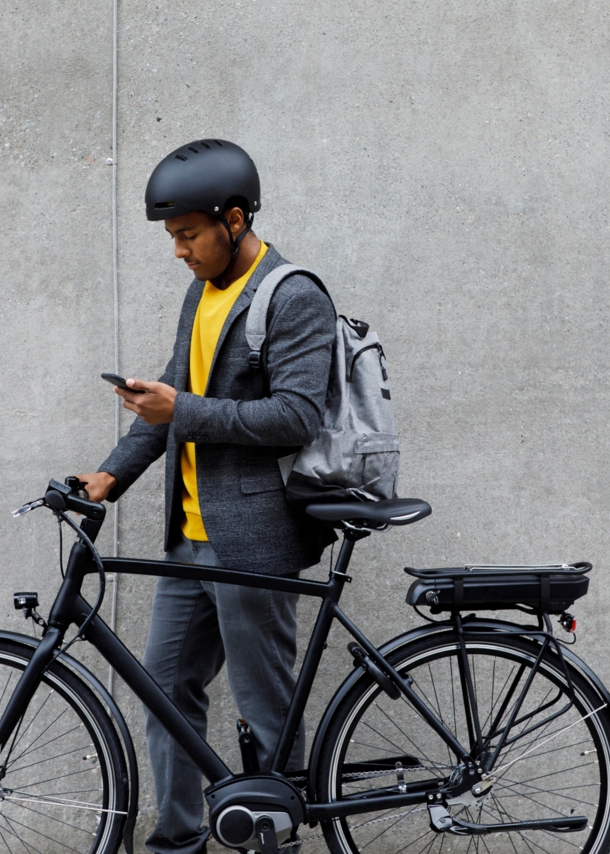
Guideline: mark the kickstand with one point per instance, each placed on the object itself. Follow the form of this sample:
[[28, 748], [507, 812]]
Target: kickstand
[[265, 831]]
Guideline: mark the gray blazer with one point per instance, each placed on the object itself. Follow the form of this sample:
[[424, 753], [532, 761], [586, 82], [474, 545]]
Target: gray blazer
[[238, 438]]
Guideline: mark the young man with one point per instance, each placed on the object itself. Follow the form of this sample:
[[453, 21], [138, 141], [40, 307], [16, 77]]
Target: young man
[[225, 501]]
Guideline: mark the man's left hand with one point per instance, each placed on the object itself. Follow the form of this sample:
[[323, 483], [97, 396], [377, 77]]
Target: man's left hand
[[154, 407]]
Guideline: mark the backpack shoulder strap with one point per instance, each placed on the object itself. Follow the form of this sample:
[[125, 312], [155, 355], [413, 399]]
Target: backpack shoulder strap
[[256, 322]]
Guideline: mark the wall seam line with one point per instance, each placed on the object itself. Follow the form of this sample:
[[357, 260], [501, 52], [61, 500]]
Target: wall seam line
[[115, 290]]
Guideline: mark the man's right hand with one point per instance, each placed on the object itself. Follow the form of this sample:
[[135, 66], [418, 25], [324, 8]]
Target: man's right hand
[[99, 484]]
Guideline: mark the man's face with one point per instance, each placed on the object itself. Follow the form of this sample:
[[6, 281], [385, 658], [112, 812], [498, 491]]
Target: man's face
[[202, 242]]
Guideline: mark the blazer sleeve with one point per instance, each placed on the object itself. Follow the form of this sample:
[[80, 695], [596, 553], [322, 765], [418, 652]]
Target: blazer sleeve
[[141, 446], [300, 335]]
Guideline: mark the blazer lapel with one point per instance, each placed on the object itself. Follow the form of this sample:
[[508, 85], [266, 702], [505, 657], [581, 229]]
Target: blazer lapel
[[270, 260], [185, 331]]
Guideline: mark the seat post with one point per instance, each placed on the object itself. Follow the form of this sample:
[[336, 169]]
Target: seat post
[[347, 547]]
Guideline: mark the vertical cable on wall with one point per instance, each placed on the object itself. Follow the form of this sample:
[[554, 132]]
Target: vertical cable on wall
[[115, 283]]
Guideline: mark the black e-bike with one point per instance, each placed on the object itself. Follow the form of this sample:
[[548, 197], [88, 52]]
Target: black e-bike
[[466, 734]]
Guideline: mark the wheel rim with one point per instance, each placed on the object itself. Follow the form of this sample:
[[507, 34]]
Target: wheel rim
[[552, 780], [57, 794]]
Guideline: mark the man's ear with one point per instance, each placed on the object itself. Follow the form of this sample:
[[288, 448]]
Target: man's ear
[[235, 218]]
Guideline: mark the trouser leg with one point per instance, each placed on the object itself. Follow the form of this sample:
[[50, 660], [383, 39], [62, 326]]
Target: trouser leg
[[183, 654], [194, 625], [258, 629]]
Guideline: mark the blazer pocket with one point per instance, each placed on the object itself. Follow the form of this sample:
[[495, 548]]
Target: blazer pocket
[[264, 481]]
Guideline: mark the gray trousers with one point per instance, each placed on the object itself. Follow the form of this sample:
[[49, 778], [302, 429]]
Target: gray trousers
[[195, 627]]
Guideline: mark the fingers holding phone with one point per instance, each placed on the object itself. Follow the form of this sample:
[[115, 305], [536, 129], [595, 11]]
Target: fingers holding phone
[[126, 385], [153, 402]]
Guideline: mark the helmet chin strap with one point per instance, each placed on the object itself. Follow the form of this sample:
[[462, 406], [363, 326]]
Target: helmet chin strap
[[235, 242]]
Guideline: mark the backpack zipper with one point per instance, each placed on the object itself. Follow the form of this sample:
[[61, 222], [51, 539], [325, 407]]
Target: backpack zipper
[[375, 346]]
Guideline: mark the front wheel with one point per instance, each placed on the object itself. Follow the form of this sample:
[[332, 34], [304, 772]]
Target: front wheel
[[374, 743], [63, 780]]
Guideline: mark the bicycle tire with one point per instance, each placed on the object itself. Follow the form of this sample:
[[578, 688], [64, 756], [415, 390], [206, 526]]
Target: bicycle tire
[[63, 779], [568, 775]]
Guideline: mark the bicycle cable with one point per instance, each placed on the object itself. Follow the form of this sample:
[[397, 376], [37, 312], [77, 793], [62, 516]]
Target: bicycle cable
[[424, 617], [61, 548], [101, 573]]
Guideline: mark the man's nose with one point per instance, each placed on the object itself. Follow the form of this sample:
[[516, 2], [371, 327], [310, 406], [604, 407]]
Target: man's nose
[[180, 249]]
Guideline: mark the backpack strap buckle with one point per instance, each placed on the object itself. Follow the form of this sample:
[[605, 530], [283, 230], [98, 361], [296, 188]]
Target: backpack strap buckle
[[254, 359]]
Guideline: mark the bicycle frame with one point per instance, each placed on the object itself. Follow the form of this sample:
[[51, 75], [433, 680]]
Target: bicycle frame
[[70, 607]]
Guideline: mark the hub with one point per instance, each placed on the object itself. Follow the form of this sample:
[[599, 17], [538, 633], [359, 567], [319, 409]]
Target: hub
[[468, 786]]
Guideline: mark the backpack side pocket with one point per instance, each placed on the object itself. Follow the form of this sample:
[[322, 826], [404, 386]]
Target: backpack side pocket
[[374, 468]]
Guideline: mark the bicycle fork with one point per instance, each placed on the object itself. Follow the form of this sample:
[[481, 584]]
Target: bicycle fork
[[27, 685]]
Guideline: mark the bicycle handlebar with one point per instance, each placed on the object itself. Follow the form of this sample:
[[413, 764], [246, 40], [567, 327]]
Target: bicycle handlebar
[[60, 496]]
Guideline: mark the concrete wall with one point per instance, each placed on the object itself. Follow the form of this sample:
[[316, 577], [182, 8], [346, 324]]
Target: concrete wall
[[442, 165]]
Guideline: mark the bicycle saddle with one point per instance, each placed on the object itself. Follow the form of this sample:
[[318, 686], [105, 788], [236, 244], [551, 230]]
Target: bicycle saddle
[[392, 511]]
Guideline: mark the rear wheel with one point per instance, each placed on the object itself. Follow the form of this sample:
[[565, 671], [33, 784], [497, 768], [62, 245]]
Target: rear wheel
[[63, 780], [374, 743]]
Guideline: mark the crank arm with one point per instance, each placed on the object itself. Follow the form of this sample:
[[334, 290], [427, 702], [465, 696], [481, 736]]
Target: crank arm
[[265, 832]]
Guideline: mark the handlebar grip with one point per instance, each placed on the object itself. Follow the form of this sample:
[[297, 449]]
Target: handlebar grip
[[60, 497]]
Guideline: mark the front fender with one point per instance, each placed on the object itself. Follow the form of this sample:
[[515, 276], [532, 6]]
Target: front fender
[[95, 684]]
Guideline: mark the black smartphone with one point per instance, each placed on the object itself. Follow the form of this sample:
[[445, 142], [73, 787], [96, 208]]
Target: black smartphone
[[115, 379]]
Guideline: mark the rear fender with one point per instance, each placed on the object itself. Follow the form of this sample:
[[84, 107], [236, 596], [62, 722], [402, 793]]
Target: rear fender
[[439, 627], [568, 654], [98, 688]]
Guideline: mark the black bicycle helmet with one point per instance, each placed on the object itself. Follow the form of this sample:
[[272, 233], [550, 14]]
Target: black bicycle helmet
[[202, 176]]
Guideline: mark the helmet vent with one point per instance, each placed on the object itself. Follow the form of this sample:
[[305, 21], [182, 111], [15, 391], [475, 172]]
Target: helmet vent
[[218, 142], [205, 145], [195, 150], [164, 205], [180, 157]]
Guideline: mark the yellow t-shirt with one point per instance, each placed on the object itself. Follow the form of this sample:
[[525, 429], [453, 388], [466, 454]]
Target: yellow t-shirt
[[213, 310]]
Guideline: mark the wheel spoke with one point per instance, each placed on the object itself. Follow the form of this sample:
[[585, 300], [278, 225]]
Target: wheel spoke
[[31, 748], [19, 733], [2, 837], [28, 846], [54, 757], [61, 802], [59, 820], [40, 833]]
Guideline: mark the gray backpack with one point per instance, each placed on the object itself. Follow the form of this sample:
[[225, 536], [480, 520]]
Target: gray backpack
[[356, 452]]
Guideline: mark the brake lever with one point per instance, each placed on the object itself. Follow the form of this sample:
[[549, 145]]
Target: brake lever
[[25, 508]]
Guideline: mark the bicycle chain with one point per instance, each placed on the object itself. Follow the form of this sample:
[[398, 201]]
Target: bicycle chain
[[363, 775], [306, 839]]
